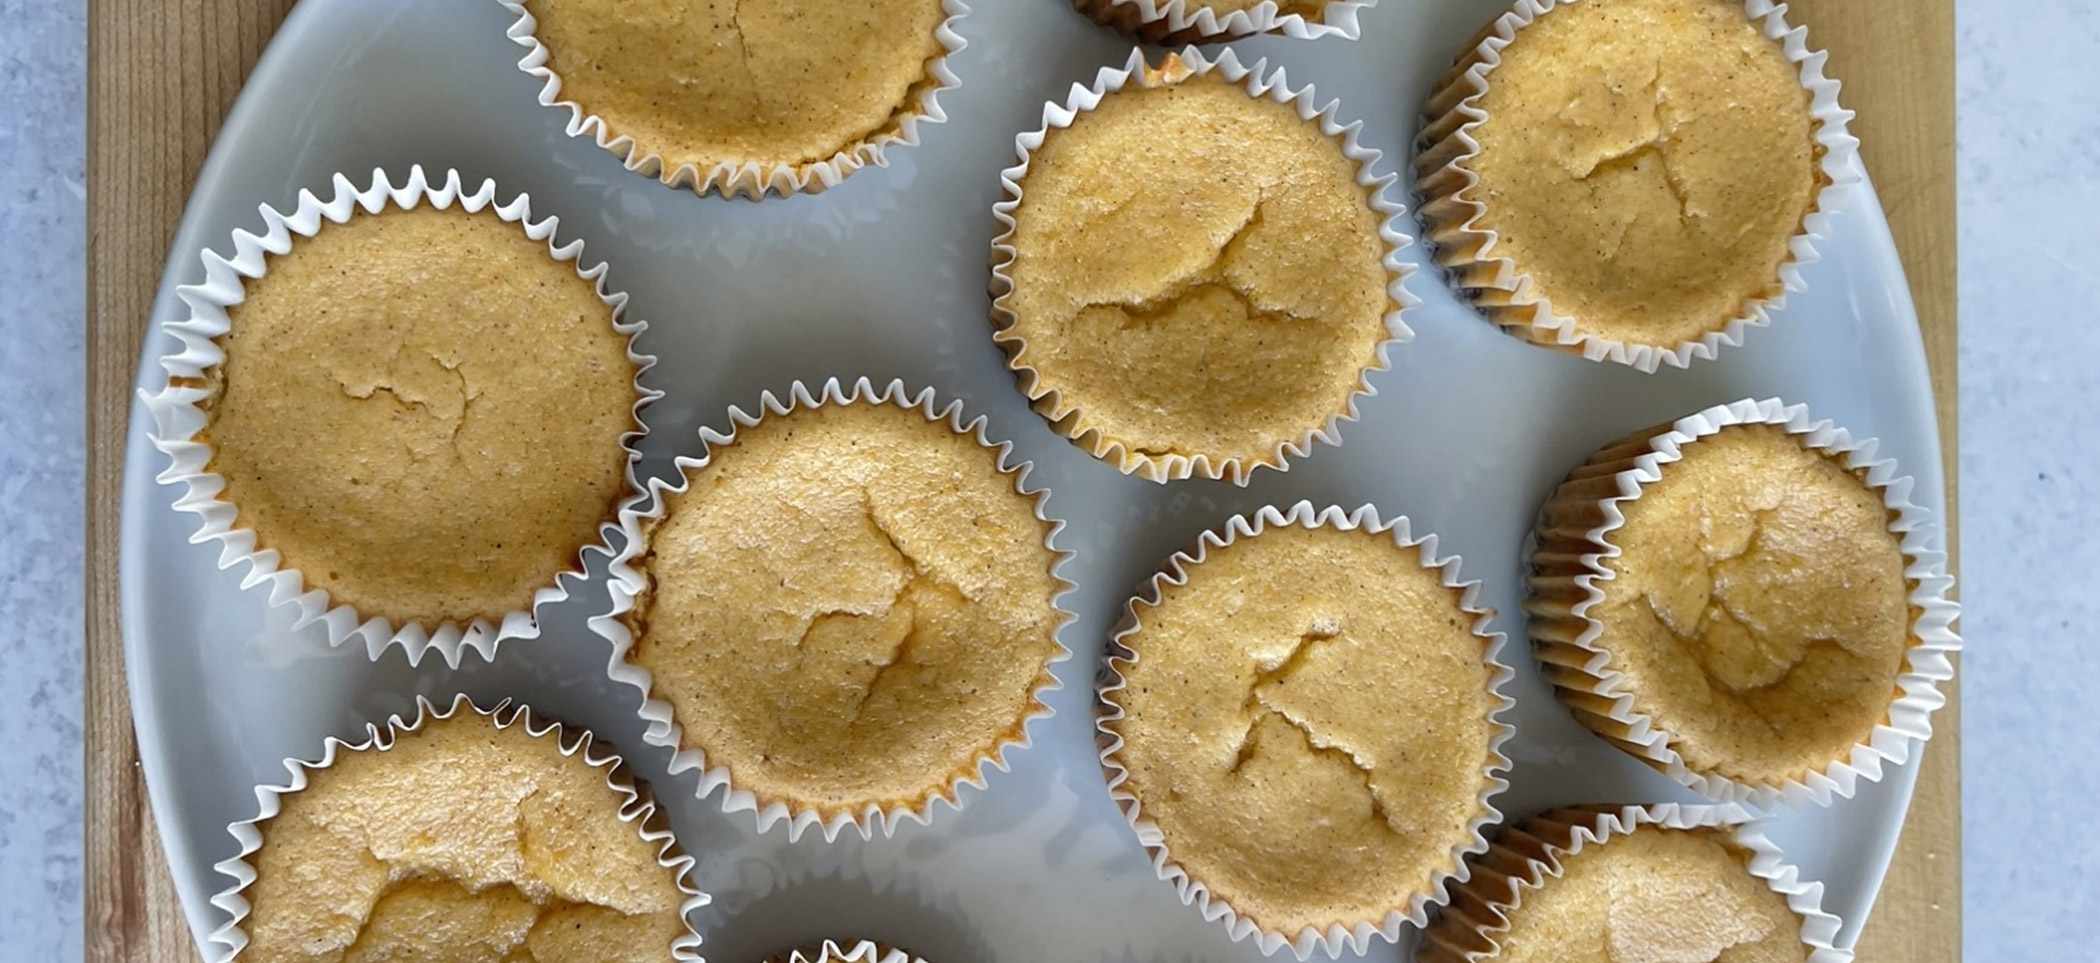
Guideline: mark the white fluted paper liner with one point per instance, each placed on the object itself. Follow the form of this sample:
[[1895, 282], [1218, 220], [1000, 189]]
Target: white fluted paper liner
[[751, 179], [1524, 856], [1261, 83], [1568, 565], [636, 807], [627, 584], [1435, 892], [179, 419], [1500, 288], [1189, 21], [835, 951]]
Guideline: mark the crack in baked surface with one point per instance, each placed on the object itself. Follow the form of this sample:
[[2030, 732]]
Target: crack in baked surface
[[1759, 609], [1265, 702], [891, 634], [1306, 720], [848, 606]]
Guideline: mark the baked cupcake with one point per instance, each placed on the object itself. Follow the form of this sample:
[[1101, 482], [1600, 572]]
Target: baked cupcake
[[1744, 601], [465, 834], [415, 408], [1632, 180], [844, 610], [1300, 721], [750, 98], [1664, 884], [1213, 21], [846, 951], [1198, 269]]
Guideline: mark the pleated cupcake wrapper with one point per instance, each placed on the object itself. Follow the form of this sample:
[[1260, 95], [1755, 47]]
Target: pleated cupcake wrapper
[[1526, 855], [754, 180], [1355, 935], [1189, 21], [1573, 543], [179, 418], [1261, 84], [627, 585], [847, 951], [1500, 288], [636, 807]]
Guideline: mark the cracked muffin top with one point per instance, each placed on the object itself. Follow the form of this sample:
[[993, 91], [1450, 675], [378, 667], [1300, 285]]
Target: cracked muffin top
[[750, 81], [1307, 720], [1655, 895], [1196, 271], [850, 606], [1758, 608], [1646, 163], [463, 842], [422, 411]]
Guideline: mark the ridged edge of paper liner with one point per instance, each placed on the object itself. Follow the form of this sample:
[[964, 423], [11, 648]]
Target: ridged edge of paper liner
[[1261, 84], [1503, 292], [637, 806], [1185, 21], [178, 418], [1526, 854], [625, 585], [752, 180], [846, 951], [1568, 561], [1175, 571]]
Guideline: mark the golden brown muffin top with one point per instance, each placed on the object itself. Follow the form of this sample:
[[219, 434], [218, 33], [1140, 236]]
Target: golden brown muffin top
[[1646, 163], [1196, 270], [463, 842], [422, 412], [850, 606], [1307, 721], [1758, 606], [764, 81], [1654, 895]]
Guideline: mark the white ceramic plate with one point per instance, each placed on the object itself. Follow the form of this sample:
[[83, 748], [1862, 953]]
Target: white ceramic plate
[[885, 276]]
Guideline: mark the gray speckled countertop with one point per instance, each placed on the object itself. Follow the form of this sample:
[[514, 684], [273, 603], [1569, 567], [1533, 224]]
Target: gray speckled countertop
[[43, 304], [2030, 475]]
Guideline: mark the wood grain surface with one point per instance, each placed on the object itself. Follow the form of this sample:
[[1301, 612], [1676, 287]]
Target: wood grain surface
[[162, 74], [1896, 61]]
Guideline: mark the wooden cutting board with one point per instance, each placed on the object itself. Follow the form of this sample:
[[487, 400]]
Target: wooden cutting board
[[162, 74]]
